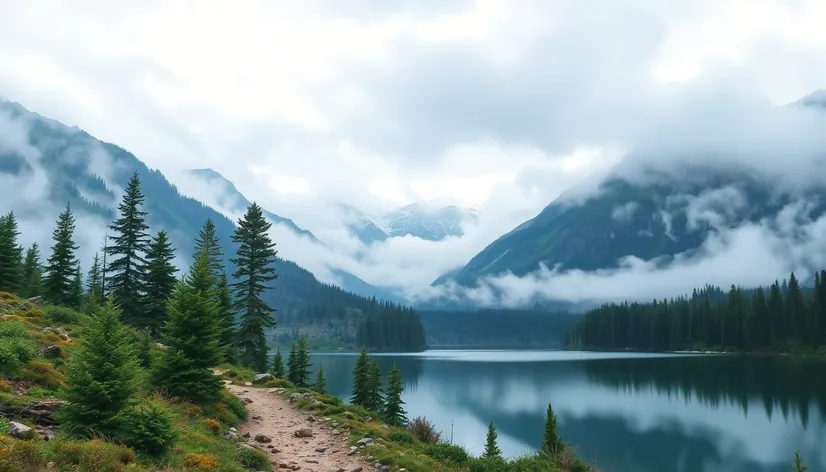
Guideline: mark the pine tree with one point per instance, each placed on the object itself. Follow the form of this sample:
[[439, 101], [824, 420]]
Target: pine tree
[[302, 363], [130, 242], [32, 273], [254, 263], [278, 364], [551, 442], [192, 335], [11, 269], [102, 377], [375, 392], [492, 450], [320, 384], [160, 281], [292, 365], [207, 241], [76, 291], [61, 265], [94, 288], [394, 414], [361, 395], [226, 318]]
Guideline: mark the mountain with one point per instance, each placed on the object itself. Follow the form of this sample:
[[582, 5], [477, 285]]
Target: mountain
[[653, 217], [231, 199], [416, 219], [59, 164]]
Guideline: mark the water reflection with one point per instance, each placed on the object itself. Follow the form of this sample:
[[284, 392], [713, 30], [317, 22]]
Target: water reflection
[[624, 413]]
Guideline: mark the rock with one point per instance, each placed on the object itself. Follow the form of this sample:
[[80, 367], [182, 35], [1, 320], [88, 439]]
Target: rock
[[162, 347], [295, 396], [233, 430], [262, 378], [20, 431], [352, 451], [303, 433], [247, 400], [49, 351], [320, 449], [230, 436], [311, 461], [365, 442], [248, 384], [261, 438], [341, 469], [51, 465], [258, 418], [383, 468], [35, 300], [357, 469], [246, 435], [311, 419], [245, 446]]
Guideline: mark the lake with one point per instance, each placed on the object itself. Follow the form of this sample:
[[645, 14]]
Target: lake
[[624, 412]]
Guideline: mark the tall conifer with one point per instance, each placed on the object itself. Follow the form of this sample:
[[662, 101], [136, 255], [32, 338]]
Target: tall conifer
[[32, 273], [94, 287], [160, 281], [62, 264], [254, 269], [551, 442], [226, 318], [11, 264], [394, 413], [278, 364], [320, 384], [492, 450], [360, 394]]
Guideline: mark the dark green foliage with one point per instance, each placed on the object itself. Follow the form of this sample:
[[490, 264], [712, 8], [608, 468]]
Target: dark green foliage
[[497, 327], [94, 283], [481, 464], [145, 348], [11, 269], [61, 265], [207, 242], [361, 395], [390, 326], [278, 364], [492, 450], [226, 318], [798, 463], [302, 367], [375, 392], [192, 336], [76, 291], [101, 377], [160, 281], [15, 348], [424, 430], [401, 437], [320, 384], [770, 319], [551, 442], [254, 269], [253, 459], [127, 264], [32, 273], [61, 314], [292, 364], [394, 414], [147, 427], [446, 452]]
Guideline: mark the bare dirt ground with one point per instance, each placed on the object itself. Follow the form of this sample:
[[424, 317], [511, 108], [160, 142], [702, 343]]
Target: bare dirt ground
[[274, 417]]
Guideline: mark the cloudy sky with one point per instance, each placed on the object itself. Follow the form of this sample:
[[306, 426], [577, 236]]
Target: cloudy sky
[[492, 104]]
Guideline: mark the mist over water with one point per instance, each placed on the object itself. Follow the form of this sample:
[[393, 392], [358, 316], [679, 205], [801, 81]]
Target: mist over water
[[623, 412]]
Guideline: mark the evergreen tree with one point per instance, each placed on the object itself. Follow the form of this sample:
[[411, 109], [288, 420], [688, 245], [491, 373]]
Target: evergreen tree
[[302, 366], [94, 287], [254, 268], [61, 265], [361, 395], [795, 311], [76, 291], [226, 318], [375, 392], [11, 269], [160, 281], [492, 450], [320, 384], [292, 365], [207, 241], [394, 413], [551, 442], [127, 267], [32, 273], [192, 335], [102, 377], [278, 364]]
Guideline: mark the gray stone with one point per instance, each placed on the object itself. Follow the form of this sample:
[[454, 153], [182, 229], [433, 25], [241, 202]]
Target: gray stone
[[230, 436], [245, 446], [365, 442], [352, 451], [49, 351], [20, 431], [262, 438], [262, 378]]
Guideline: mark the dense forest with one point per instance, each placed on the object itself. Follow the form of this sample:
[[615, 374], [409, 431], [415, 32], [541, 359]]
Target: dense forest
[[137, 269], [497, 327], [782, 317]]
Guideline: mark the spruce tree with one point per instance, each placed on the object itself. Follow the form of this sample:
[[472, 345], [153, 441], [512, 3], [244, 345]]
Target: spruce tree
[[292, 365], [127, 267], [207, 241], [278, 364], [226, 318], [254, 269], [76, 292], [94, 286], [551, 442], [192, 336], [320, 384], [102, 377], [32, 273], [375, 392], [394, 414], [360, 394], [61, 265], [11, 264], [302, 363], [492, 450], [160, 281]]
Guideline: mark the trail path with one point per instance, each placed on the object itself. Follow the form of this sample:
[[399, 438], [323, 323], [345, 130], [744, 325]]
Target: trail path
[[274, 417]]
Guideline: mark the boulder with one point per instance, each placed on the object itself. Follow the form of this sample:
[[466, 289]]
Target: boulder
[[50, 352], [303, 433], [262, 378], [262, 438], [20, 431]]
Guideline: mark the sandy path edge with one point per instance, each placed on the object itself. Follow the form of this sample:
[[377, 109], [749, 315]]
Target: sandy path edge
[[274, 417]]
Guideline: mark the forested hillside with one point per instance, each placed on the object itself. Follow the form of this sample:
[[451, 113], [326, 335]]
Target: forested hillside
[[497, 327], [781, 317]]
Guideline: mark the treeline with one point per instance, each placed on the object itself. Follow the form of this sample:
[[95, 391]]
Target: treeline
[[781, 317], [390, 326], [497, 327]]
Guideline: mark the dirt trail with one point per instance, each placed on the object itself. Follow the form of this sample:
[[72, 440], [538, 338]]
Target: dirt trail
[[273, 416]]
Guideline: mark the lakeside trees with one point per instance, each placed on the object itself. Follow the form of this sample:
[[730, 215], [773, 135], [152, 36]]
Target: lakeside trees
[[781, 317]]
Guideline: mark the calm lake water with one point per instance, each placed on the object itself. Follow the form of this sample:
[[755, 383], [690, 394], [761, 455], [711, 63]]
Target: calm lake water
[[624, 412]]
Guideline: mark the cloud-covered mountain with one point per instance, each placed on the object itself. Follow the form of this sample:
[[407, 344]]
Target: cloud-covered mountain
[[417, 220]]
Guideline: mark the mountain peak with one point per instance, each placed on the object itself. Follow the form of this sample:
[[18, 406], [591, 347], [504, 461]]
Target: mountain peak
[[816, 99]]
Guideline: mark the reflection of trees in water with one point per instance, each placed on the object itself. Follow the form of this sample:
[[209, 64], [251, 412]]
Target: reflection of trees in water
[[790, 385], [338, 370]]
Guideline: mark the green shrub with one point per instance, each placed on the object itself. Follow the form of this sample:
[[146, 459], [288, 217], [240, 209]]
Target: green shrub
[[423, 429], [253, 459], [478, 464], [14, 353], [277, 383], [94, 456], [235, 405], [445, 452], [43, 374], [533, 463], [401, 437], [13, 329], [62, 314], [147, 427]]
